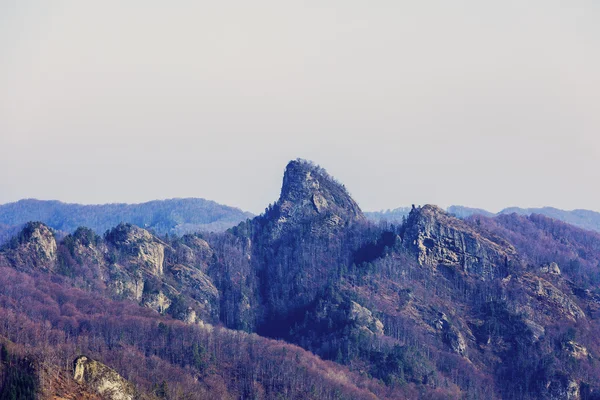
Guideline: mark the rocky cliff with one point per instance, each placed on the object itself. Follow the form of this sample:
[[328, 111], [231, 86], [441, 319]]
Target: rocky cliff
[[33, 248], [143, 249], [128, 263], [437, 239], [479, 308], [309, 196]]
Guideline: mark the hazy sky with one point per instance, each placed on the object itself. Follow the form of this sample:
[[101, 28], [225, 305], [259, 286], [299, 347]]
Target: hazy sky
[[481, 103]]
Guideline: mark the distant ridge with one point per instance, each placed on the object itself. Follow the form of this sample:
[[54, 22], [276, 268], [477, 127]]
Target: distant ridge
[[585, 219], [172, 216]]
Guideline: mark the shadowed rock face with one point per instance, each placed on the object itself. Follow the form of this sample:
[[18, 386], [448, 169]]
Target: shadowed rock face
[[103, 380], [440, 239]]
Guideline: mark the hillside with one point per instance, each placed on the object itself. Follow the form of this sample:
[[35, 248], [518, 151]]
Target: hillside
[[309, 300], [585, 219], [174, 216]]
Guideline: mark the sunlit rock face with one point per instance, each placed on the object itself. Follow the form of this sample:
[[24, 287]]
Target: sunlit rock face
[[141, 247], [34, 248], [310, 196], [437, 238], [101, 379]]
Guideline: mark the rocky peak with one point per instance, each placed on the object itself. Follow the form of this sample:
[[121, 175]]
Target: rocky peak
[[127, 234], [35, 246], [144, 248], [441, 239], [309, 192]]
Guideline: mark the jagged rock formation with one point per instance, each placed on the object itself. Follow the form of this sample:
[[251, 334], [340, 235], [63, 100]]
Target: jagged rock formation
[[310, 196], [102, 379], [130, 263], [34, 248], [575, 350], [285, 245], [475, 308], [144, 249], [440, 239]]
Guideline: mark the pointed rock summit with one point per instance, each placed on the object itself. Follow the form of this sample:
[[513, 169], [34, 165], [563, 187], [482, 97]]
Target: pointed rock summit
[[311, 197], [309, 191]]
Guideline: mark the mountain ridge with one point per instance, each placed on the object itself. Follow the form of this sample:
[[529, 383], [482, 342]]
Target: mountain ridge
[[501, 307], [586, 219], [172, 216]]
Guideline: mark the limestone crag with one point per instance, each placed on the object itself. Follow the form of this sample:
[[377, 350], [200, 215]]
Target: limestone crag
[[193, 251], [310, 195], [364, 319], [34, 248], [129, 262], [103, 380], [205, 291], [159, 275], [437, 238], [141, 245]]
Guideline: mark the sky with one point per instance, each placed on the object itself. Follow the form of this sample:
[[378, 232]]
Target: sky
[[480, 103]]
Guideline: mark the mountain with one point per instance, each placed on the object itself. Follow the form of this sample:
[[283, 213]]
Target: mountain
[[395, 215], [309, 300], [463, 212], [585, 219], [174, 216]]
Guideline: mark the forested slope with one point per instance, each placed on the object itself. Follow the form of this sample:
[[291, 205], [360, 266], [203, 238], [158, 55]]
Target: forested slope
[[433, 307]]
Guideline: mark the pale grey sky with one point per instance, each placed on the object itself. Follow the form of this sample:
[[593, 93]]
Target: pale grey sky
[[481, 103]]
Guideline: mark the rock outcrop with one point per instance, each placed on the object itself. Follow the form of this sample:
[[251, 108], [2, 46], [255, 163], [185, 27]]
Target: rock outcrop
[[451, 335], [551, 268], [310, 196], [575, 350], [102, 379], [144, 249], [551, 300], [33, 248], [364, 319], [437, 238], [129, 262]]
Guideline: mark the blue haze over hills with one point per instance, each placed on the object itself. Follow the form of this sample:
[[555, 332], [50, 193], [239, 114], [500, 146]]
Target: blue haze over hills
[[585, 219], [173, 216], [181, 216]]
